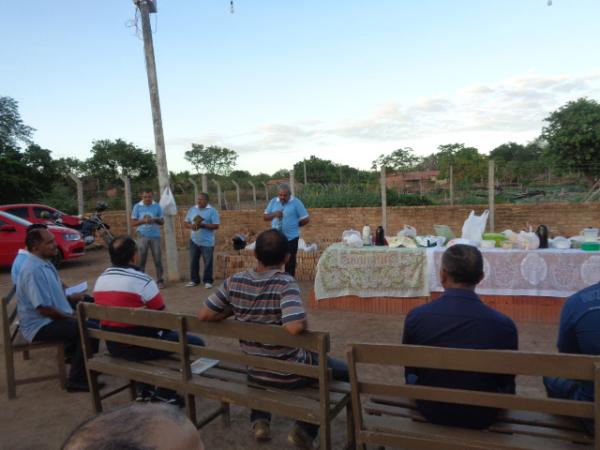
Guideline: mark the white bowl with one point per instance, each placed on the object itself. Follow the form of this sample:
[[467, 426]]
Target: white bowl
[[488, 243]]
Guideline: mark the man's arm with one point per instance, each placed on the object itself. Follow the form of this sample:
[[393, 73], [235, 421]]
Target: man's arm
[[274, 215], [208, 315], [52, 313], [295, 328], [303, 222]]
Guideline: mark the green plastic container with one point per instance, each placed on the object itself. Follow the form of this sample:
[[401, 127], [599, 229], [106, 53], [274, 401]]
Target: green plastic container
[[590, 246], [498, 237]]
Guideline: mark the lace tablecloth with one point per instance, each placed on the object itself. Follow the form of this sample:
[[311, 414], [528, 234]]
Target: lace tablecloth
[[371, 272], [547, 272]]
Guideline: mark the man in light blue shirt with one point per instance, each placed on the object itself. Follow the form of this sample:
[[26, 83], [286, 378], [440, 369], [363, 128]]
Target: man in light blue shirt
[[203, 220], [45, 313], [147, 216], [287, 214], [22, 255]]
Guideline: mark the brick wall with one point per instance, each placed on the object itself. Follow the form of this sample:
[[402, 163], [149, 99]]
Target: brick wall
[[327, 224]]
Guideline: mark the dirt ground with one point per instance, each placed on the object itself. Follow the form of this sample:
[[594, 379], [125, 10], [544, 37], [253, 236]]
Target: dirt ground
[[43, 415]]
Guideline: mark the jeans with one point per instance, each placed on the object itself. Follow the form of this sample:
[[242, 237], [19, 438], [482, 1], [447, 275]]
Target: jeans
[[206, 253], [136, 353], [567, 389], [67, 331], [153, 244], [339, 372], [290, 267]]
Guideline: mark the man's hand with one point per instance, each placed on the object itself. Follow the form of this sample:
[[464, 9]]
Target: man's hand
[[75, 298], [278, 214]]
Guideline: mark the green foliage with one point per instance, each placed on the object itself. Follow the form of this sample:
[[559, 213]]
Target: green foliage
[[467, 163], [17, 179], [113, 158], [353, 196], [573, 136], [402, 159], [61, 197], [324, 171], [12, 128], [516, 162], [214, 160]]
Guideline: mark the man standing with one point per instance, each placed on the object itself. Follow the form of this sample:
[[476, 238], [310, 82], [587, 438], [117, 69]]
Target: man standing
[[459, 319], [203, 220], [45, 313], [267, 296], [579, 333], [147, 216], [287, 214]]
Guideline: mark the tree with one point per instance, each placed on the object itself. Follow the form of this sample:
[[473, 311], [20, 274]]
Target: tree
[[402, 159], [214, 160], [325, 171], [573, 136], [517, 162], [468, 164], [113, 158], [12, 128]]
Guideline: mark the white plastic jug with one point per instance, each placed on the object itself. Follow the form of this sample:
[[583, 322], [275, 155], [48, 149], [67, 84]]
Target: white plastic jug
[[366, 235], [590, 234]]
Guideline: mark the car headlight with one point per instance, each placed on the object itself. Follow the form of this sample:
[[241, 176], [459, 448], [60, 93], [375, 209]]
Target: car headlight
[[72, 236]]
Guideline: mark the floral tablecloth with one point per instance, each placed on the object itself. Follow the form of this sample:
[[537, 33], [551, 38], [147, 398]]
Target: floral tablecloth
[[544, 272], [371, 272]]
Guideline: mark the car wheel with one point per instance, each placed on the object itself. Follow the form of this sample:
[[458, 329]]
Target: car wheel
[[57, 259]]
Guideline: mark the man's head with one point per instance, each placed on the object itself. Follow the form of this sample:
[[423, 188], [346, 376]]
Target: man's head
[[462, 267], [147, 196], [123, 251], [202, 199], [271, 248], [283, 192], [40, 242], [137, 426]]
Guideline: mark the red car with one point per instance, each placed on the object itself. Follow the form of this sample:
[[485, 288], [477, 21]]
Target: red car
[[12, 238], [41, 214]]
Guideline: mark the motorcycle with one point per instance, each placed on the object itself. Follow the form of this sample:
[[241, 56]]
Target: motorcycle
[[94, 225]]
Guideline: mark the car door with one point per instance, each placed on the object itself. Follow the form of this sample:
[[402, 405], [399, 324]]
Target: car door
[[12, 238]]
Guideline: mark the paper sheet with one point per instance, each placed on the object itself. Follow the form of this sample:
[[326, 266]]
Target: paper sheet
[[77, 289], [202, 365]]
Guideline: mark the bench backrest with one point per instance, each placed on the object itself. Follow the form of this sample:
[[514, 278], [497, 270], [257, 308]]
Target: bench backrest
[[579, 367], [313, 341], [8, 316]]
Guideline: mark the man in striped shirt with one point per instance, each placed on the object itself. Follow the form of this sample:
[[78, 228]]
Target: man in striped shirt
[[268, 296]]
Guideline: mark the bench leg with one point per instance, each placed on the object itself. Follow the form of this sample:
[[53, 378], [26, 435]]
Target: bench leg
[[225, 418], [26, 356], [325, 435], [190, 407], [60, 362], [93, 382], [10, 373], [132, 390], [350, 427]]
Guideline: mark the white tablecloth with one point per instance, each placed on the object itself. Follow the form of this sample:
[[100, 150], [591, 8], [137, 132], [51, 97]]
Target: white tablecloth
[[544, 272]]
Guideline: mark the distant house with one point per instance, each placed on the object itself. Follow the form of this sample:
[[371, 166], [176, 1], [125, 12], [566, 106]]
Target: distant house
[[412, 181]]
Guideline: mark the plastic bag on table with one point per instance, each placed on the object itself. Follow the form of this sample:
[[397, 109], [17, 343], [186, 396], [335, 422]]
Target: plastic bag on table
[[408, 231], [167, 203], [474, 226], [352, 238]]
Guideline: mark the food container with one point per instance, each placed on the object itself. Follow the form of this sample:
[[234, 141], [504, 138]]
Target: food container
[[590, 234], [488, 243], [561, 243], [496, 237], [590, 246]]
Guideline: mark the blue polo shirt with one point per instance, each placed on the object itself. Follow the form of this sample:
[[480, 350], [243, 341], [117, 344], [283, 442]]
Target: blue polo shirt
[[17, 264], [203, 237], [140, 211], [459, 319], [579, 330], [38, 285], [293, 212]]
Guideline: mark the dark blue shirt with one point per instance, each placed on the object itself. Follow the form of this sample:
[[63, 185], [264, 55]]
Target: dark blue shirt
[[459, 319], [579, 330]]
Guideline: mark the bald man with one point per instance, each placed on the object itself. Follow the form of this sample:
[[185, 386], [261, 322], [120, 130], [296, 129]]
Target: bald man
[[137, 426]]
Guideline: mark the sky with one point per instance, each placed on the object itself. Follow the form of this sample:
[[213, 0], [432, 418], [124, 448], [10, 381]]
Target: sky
[[279, 81]]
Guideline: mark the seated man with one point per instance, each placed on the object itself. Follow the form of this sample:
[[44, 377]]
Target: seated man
[[266, 295], [44, 311], [459, 319], [136, 426], [22, 254], [579, 332], [125, 285]]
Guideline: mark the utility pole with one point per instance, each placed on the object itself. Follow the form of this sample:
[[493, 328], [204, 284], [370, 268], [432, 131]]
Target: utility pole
[[146, 7]]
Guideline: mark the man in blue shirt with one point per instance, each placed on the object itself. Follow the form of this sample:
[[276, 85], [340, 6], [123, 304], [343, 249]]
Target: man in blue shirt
[[45, 313], [579, 333], [459, 319], [203, 220], [287, 214], [147, 216], [22, 255]]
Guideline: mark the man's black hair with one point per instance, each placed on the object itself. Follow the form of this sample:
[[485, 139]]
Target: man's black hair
[[271, 247], [34, 226], [34, 237], [464, 264], [204, 194], [147, 190], [121, 251]]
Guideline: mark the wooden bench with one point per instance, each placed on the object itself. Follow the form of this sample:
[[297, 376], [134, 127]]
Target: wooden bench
[[227, 382], [387, 414], [13, 342]]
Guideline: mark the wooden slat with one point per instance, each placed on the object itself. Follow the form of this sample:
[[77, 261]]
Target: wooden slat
[[142, 341], [266, 334], [488, 361], [133, 316], [258, 362], [444, 437], [479, 398]]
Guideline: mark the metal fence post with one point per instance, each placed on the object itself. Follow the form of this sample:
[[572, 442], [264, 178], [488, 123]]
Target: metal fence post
[[191, 180], [127, 184], [383, 199], [253, 193], [237, 193], [218, 192], [79, 183], [491, 195]]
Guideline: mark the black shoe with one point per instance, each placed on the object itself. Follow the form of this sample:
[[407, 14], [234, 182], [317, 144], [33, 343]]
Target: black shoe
[[80, 386]]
